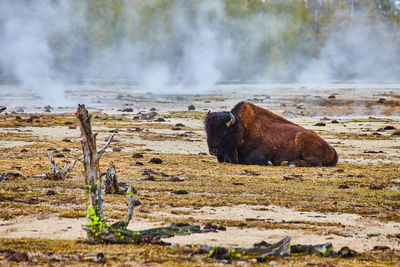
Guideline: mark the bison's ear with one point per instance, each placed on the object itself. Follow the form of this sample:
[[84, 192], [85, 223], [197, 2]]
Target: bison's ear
[[231, 121]]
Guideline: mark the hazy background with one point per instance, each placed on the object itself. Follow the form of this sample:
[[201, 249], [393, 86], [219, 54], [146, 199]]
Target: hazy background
[[46, 45]]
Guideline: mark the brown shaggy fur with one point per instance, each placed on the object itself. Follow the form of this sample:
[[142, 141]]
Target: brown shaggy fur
[[259, 136]]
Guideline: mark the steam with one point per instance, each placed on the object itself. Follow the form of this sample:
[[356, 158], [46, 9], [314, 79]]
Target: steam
[[363, 51], [48, 44], [25, 51]]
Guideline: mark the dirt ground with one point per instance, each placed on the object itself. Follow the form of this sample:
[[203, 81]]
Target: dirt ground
[[353, 204]]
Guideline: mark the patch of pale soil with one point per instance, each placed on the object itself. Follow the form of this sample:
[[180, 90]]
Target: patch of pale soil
[[53, 227], [56, 132], [351, 230], [10, 144]]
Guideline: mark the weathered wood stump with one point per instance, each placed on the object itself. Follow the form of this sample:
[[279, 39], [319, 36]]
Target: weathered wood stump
[[111, 185]]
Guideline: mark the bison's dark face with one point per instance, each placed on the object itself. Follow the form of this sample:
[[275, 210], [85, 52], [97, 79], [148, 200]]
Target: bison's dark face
[[221, 128]]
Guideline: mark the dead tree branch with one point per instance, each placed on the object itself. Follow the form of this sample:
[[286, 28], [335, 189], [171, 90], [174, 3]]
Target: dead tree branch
[[103, 149], [98, 230], [56, 173]]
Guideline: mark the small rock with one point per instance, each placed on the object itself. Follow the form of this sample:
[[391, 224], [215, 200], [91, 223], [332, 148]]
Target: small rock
[[149, 178], [346, 252], [209, 226], [59, 156], [389, 127], [24, 150], [191, 107], [66, 140], [2, 108], [396, 133], [50, 193], [343, 186], [127, 110], [380, 130], [72, 127], [139, 163], [117, 149], [19, 110], [160, 119], [334, 121], [176, 129], [288, 113], [320, 124], [238, 183], [66, 150], [155, 160], [249, 172], [375, 186], [18, 257], [331, 97], [137, 202], [46, 109], [379, 248], [180, 192], [176, 179], [381, 100], [68, 123], [293, 177], [137, 156], [179, 125]]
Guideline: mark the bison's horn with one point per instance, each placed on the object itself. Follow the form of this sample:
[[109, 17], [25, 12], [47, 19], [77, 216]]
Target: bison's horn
[[232, 120]]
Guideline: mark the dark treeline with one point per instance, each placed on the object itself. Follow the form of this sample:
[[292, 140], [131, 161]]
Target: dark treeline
[[192, 41]]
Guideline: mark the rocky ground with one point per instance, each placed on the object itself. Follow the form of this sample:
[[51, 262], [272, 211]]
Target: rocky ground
[[353, 204]]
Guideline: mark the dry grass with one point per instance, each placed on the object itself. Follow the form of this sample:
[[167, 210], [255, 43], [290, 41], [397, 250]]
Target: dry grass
[[207, 182]]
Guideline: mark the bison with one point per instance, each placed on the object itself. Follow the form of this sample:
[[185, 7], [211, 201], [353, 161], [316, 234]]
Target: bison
[[249, 134]]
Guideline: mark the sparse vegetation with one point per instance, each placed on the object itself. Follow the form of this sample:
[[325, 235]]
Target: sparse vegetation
[[208, 183]]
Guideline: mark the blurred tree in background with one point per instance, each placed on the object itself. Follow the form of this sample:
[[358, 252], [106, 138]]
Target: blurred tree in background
[[267, 37]]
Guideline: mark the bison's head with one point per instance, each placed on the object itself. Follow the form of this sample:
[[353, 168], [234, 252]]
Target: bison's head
[[221, 128]]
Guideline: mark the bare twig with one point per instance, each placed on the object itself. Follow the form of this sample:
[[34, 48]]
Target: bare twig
[[103, 149], [56, 173], [54, 167], [2, 176], [68, 169]]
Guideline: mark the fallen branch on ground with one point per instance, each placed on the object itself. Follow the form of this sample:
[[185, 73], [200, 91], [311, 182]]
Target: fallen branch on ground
[[263, 250], [56, 173]]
